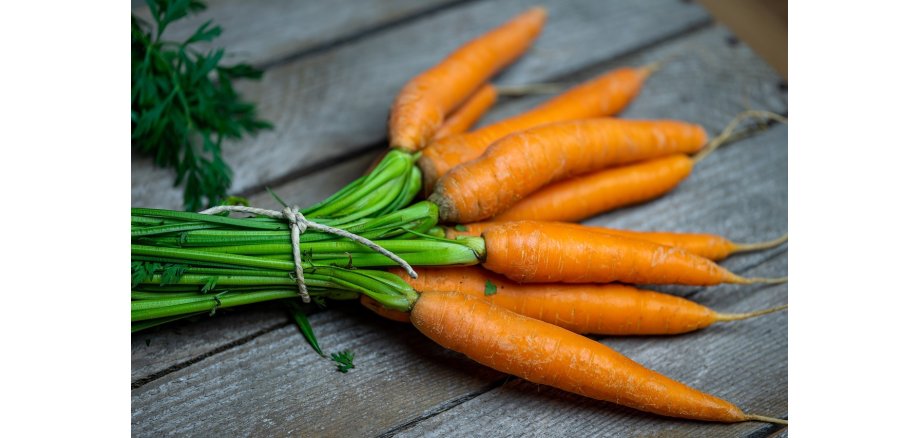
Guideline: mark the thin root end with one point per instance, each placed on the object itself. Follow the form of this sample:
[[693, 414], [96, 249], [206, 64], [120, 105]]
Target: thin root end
[[747, 247], [727, 134], [723, 317], [766, 419], [763, 280]]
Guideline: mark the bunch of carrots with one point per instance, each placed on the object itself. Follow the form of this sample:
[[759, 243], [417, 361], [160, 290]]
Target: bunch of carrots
[[510, 194]]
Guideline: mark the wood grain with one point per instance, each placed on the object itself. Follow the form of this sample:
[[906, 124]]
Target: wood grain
[[336, 102], [267, 31]]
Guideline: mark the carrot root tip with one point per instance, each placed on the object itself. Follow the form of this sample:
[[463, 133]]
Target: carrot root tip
[[747, 247], [764, 419], [723, 317], [727, 134]]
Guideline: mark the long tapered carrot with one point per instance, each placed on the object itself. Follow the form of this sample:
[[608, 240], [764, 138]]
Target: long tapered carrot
[[605, 95], [546, 252], [423, 103], [522, 163], [603, 309], [710, 246], [468, 113], [549, 355], [579, 198]]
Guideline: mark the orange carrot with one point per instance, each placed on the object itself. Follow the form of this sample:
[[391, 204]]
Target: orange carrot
[[603, 309], [710, 246], [522, 163], [549, 355], [546, 252], [581, 197], [420, 107], [378, 308], [605, 95], [468, 113]]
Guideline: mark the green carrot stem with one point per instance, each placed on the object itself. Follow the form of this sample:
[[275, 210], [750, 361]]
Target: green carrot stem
[[394, 164], [215, 219], [170, 228], [143, 325], [411, 188], [337, 247], [210, 304], [190, 255]]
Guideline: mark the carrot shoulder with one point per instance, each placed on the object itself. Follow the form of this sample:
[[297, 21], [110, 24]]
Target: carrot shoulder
[[605, 95], [422, 104], [522, 163], [546, 252], [546, 354]]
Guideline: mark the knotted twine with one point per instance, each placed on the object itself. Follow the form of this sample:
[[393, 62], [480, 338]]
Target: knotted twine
[[299, 224]]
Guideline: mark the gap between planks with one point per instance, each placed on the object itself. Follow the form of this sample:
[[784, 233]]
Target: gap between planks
[[359, 35]]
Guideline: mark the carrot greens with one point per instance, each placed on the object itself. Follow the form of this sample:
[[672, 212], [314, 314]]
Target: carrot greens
[[183, 103]]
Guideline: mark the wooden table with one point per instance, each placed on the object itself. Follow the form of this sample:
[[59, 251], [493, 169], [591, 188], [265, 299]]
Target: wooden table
[[332, 69]]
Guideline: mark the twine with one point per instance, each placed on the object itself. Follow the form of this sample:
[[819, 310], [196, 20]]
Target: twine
[[299, 224]]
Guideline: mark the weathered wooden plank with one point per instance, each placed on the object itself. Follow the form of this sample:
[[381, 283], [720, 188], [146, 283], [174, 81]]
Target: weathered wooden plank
[[267, 31], [158, 349], [155, 351], [276, 385], [336, 102]]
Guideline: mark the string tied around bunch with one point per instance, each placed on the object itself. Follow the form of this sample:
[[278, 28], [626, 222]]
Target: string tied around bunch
[[299, 225]]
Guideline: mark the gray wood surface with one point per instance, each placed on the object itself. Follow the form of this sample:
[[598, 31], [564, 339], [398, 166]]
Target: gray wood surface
[[333, 103], [268, 31], [251, 373]]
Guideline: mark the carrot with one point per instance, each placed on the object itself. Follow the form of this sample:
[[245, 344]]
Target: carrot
[[581, 197], [421, 105], [710, 246], [546, 252], [605, 95], [549, 355], [378, 308], [468, 113], [603, 309], [522, 163]]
